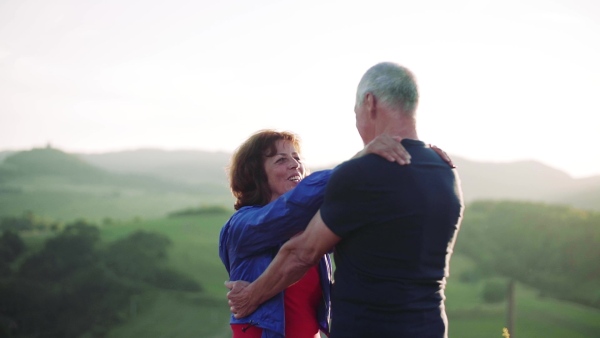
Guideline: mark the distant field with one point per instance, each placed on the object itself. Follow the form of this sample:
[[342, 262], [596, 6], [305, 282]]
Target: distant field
[[98, 203], [195, 245], [195, 251], [469, 317]]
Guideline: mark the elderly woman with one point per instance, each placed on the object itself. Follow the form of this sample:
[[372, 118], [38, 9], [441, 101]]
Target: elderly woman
[[275, 200]]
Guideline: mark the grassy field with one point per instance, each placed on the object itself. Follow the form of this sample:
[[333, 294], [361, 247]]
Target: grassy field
[[195, 252], [96, 204], [536, 316], [205, 314]]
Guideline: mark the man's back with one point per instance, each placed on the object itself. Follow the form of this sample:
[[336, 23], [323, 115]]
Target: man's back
[[398, 225]]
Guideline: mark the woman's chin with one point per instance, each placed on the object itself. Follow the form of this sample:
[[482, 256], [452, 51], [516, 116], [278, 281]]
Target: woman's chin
[[293, 185]]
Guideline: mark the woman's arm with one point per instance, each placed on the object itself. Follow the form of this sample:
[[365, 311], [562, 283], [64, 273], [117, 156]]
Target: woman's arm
[[260, 228], [253, 229]]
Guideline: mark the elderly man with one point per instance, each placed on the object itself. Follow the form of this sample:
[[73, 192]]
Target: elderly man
[[392, 227]]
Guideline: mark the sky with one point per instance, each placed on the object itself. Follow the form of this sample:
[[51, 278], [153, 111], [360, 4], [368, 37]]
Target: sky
[[500, 81]]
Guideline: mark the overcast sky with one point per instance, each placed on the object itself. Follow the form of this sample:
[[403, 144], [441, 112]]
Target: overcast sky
[[500, 80]]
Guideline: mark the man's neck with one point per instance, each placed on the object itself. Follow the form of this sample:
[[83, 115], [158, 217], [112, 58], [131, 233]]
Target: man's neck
[[401, 127]]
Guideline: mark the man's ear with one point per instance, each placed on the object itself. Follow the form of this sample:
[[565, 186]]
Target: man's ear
[[371, 105]]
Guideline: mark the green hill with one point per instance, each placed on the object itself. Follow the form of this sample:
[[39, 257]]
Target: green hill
[[185, 166], [151, 183], [59, 185], [51, 162], [521, 180], [526, 181], [4, 154]]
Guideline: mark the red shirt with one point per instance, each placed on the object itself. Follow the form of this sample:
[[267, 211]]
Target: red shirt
[[301, 303]]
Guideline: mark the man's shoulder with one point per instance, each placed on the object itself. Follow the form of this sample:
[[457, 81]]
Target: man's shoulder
[[356, 163], [349, 166], [369, 164], [360, 171]]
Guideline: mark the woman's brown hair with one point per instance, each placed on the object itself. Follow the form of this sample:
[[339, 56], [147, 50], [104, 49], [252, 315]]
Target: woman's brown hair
[[247, 176]]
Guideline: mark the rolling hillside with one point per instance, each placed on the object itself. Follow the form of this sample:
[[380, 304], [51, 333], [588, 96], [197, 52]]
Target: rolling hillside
[[524, 180], [183, 166], [54, 184], [135, 190], [151, 183]]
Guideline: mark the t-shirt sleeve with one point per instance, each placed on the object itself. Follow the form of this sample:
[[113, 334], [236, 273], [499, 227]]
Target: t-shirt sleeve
[[346, 200]]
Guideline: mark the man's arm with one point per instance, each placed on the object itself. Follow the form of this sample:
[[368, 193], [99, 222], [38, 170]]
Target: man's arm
[[291, 263]]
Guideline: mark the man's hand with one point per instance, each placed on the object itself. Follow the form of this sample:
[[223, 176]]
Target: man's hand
[[239, 299], [443, 155], [388, 147]]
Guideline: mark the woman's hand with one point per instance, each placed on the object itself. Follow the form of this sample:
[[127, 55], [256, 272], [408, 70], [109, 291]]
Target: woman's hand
[[443, 155], [388, 147]]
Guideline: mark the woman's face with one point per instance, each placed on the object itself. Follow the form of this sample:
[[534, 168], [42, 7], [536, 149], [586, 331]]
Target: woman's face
[[284, 170]]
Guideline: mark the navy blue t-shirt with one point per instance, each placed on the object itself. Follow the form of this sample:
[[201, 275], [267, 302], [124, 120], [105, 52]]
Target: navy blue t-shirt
[[398, 226]]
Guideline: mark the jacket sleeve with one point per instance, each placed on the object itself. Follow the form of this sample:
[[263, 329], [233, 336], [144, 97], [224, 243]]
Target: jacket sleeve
[[254, 229]]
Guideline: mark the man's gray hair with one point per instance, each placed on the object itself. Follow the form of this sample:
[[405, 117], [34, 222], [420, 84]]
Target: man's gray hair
[[391, 84]]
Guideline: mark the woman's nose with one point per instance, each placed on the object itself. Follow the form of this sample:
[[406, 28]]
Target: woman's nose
[[294, 163]]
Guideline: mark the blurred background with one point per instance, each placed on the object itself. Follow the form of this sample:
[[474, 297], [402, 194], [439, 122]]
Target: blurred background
[[117, 121]]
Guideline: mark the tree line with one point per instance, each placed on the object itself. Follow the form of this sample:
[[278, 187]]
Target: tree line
[[74, 284], [553, 248]]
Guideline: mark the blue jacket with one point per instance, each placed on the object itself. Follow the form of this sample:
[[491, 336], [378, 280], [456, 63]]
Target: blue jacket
[[252, 237]]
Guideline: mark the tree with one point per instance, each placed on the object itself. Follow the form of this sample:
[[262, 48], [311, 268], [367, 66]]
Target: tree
[[71, 287], [550, 247], [142, 256], [11, 246], [72, 249]]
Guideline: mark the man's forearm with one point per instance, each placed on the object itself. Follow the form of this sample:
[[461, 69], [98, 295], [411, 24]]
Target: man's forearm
[[289, 265]]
